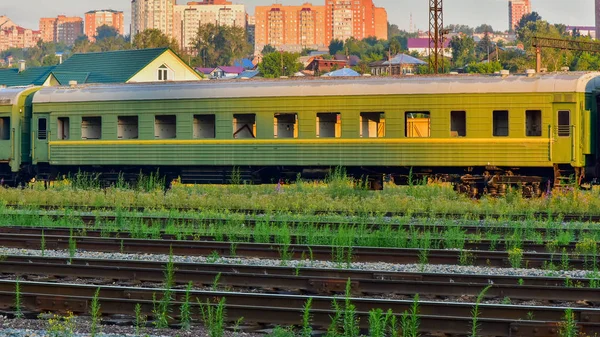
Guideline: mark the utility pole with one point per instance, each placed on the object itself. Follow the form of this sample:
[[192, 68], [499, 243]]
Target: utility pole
[[436, 36]]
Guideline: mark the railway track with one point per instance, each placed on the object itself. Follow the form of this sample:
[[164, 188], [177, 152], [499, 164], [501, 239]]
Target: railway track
[[435, 317], [278, 251], [481, 244], [312, 281], [255, 212]]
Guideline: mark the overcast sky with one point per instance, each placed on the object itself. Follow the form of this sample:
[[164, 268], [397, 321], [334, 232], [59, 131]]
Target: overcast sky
[[470, 12]]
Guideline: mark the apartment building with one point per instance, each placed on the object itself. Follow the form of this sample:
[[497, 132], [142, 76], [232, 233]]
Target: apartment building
[[62, 29], [354, 18], [291, 28], [189, 17], [516, 10], [105, 17], [152, 14]]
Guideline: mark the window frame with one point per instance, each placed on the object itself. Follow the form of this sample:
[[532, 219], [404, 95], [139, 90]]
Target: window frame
[[90, 117], [276, 124], [8, 132], [406, 128], [63, 135], [379, 124], [252, 130], [494, 120], [464, 123], [127, 117], [156, 135], [540, 131], [45, 132], [337, 128], [196, 117], [560, 128]]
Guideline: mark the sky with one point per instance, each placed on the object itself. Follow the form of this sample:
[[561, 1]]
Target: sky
[[27, 13]]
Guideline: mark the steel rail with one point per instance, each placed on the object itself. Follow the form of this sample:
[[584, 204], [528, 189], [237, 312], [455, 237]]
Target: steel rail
[[427, 215], [482, 245], [315, 284], [274, 251], [498, 320], [304, 271]]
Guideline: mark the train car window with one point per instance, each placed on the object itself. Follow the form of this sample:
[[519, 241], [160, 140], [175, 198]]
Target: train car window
[[244, 126], [204, 126], [165, 127], [533, 123], [127, 127], [372, 124], [285, 125], [564, 123], [500, 123], [42, 128], [417, 124], [91, 127], [329, 125], [458, 124], [4, 128], [63, 128]]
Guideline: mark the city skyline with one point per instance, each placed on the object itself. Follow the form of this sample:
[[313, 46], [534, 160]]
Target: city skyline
[[468, 12]]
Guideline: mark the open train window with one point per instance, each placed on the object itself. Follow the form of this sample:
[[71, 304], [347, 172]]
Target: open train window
[[564, 123], [4, 128], [62, 128], [500, 123], [417, 124], [286, 125], [42, 128], [165, 127], [329, 125], [372, 124], [244, 126], [127, 127], [458, 124], [533, 123], [204, 126], [91, 127]]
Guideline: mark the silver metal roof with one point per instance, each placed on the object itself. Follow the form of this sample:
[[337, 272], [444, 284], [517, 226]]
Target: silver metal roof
[[445, 84], [9, 96]]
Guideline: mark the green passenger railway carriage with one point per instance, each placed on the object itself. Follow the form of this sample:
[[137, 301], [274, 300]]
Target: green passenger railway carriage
[[481, 132]]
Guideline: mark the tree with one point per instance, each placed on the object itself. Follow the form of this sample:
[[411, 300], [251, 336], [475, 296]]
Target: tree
[[463, 50], [105, 31], [531, 17], [484, 28], [460, 29], [393, 30], [395, 47], [484, 67], [268, 49], [112, 43], [484, 47], [154, 38], [277, 64], [83, 45], [336, 46], [221, 45]]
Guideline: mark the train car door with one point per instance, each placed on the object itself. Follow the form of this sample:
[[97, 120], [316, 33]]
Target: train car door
[[41, 135], [563, 134]]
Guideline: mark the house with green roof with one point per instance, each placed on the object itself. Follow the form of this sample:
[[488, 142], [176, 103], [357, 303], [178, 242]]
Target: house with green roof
[[14, 77], [123, 66]]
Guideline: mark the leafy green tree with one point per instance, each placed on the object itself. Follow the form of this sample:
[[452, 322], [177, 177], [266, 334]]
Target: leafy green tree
[[393, 30], [460, 29], [484, 46], [154, 38], [484, 28], [113, 43], [463, 50], [83, 45], [484, 67], [221, 45], [395, 47], [336, 46], [105, 31], [531, 17], [278, 64], [268, 49]]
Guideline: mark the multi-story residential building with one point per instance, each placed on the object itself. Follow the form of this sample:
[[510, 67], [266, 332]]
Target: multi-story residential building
[[152, 14], [18, 37], [354, 18], [290, 28], [597, 11], [516, 10], [61, 29], [251, 28], [108, 17], [188, 18]]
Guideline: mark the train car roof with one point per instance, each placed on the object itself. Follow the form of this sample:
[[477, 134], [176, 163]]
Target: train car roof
[[9, 96], [445, 84]]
